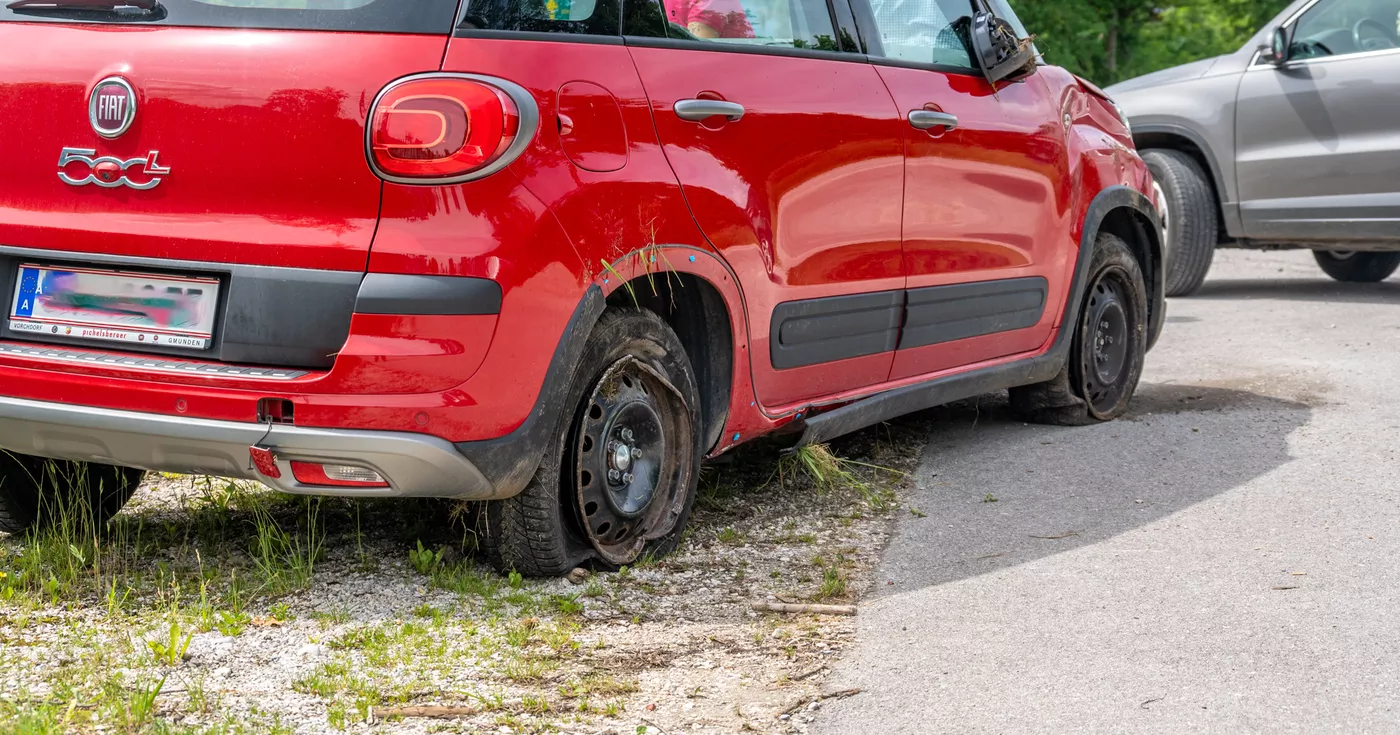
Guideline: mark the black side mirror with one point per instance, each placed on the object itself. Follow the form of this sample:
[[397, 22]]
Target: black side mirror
[[1279, 48], [1002, 56]]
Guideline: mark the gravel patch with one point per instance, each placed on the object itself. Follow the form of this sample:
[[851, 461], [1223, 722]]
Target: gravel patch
[[211, 606]]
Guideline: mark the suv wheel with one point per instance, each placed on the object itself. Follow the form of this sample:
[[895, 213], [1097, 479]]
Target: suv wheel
[[39, 493], [1353, 267], [620, 478], [1193, 223], [1107, 351]]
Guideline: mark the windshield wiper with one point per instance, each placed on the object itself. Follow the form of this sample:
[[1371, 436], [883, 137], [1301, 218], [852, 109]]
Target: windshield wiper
[[92, 10], [84, 4]]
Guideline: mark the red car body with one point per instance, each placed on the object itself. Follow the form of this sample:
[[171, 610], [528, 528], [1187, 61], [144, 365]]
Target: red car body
[[821, 189]]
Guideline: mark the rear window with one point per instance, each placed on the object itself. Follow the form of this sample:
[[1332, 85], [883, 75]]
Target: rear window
[[388, 16]]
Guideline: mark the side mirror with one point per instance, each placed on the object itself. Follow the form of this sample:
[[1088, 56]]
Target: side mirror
[[1279, 48], [1002, 56]]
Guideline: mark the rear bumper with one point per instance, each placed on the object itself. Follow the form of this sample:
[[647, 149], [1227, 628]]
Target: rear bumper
[[415, 465]]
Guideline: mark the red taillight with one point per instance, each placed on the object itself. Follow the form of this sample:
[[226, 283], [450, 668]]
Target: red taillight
[[444, 128]]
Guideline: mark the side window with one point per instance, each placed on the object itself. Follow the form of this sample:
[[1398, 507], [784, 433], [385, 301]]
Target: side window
[[925, 31], [592, 17], [799, 24], [1340, 27]]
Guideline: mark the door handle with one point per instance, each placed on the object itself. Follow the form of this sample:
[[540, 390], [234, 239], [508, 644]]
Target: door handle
[[697, 110], [927, 119]]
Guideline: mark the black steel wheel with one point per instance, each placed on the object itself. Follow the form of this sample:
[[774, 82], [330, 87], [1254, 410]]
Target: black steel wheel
[[1108, 348], [619, 481], [631, 484]]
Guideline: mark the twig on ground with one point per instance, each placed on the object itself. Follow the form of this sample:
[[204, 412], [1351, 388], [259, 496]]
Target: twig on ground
[[841, 694], [1066, 534], [436, 711], [788, 607]]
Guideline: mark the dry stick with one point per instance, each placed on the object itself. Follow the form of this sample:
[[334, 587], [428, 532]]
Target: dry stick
[[787, 607], [842, 694], [421, 711]]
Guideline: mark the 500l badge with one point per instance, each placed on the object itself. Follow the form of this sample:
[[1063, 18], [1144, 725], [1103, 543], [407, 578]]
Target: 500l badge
[[110, 172]]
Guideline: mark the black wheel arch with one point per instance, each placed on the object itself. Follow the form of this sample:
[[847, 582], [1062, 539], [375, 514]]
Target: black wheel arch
[[1185, 140]]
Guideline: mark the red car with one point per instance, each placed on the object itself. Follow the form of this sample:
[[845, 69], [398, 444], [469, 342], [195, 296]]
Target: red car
[[549, 254]]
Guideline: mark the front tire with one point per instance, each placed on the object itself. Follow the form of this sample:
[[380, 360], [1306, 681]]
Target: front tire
[[1352, 267], [619, 478], [1107, 351], [40, 494], [1193, 220]]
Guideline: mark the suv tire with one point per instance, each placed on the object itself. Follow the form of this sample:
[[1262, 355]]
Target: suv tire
[[1193, 221], [38, 493], [1352, 267], [619, 478], [1107, 351]]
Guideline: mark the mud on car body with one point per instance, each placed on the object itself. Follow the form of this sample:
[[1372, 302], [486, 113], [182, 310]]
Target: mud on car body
[[548, 257]]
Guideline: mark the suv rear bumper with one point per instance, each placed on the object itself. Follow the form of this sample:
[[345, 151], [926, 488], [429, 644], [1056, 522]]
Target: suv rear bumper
[[415, 465]]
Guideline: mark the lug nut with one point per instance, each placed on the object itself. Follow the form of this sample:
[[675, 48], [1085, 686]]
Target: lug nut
[[614, 475], [627, 434], [627, 477]]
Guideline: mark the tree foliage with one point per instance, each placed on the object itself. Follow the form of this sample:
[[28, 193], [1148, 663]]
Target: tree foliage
[[1111, 40]]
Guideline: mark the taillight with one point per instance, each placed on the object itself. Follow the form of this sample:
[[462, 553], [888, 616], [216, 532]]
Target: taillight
[[447, 128]]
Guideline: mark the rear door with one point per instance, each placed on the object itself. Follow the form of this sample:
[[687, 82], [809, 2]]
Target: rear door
[[788, 148], [1318, 140], [985, 232], [232, 131]]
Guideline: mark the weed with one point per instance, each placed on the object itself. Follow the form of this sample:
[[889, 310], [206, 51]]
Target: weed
[[917, 513], [989, 498], [425, 560], [833, 585], [828, 472], [171, 650], [729, 536]]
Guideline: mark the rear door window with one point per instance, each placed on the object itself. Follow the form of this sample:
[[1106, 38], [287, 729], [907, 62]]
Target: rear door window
[[388, 16], [590, 17]]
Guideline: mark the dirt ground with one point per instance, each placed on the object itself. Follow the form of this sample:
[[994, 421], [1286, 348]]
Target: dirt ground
[[211, 606]]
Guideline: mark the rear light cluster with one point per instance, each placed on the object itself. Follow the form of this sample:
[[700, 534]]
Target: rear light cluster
[[448, 128]]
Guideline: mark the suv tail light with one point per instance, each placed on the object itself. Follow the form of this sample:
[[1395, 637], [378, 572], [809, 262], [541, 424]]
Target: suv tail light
[[448, 128]]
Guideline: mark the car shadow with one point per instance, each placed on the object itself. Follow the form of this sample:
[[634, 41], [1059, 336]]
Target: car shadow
[[993, 492], [1385, 292]]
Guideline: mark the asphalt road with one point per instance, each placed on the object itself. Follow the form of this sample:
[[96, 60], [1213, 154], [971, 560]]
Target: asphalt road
[[1225, 559]]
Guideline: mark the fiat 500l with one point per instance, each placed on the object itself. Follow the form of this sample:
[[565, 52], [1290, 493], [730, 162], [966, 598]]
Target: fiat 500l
[[549, 256]]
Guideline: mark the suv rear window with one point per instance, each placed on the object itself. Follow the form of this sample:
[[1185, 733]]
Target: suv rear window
[[388, 16]]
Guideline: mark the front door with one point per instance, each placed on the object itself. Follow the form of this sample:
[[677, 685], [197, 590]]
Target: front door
[[985, 203], [1318, 139], [789, 152]]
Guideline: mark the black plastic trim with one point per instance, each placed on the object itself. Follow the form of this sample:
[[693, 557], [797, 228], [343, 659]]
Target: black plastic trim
[[538, 36], [889, 404], [509, 461], [941, 68], [834, 328], [685, 44], [938, 314], [385, 293]]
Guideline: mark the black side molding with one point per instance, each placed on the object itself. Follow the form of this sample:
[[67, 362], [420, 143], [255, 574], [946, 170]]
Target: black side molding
[[386, 293], [834, 328], [940, 314], [899, 401]]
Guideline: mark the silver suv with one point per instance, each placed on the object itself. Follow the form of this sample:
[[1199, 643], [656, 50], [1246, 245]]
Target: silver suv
[[1291, 142]]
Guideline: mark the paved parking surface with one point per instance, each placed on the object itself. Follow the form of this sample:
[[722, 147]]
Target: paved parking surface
[[1226, 559]]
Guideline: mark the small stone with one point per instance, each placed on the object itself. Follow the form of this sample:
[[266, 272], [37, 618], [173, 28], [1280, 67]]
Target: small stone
[[651, 707], [813, 707], [578, 575], [785, 717], [311, 650]]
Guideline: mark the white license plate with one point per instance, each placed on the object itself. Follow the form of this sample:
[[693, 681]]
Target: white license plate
[[115, 306]]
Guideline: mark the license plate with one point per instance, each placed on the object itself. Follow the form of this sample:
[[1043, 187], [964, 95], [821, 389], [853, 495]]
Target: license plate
[[115, 306]]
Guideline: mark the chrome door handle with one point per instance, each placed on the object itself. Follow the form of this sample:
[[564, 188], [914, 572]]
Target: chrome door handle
[[926, 119], [697, 110]]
